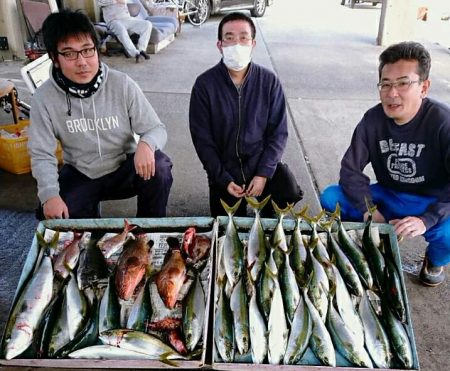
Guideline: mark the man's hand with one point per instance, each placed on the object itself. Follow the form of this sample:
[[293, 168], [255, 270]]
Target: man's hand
[[144, 161], [235, 190], [377, 217], [55, 208], [411, 226], [256, 186]]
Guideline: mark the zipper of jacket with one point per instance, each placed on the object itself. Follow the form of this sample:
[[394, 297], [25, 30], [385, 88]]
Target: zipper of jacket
[[238, 135]]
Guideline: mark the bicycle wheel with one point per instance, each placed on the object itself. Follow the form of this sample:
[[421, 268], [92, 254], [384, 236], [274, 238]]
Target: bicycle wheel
[[197, 11]]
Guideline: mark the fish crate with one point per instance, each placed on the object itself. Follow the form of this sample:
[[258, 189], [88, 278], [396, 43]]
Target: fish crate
[[308, 360], [157, 228], [14, 156]]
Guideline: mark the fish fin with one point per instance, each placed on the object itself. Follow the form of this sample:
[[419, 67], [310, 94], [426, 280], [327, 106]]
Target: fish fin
[[301, 213], [231, 210], [370, 209], [279, 211], [164, 358], [257, 206]]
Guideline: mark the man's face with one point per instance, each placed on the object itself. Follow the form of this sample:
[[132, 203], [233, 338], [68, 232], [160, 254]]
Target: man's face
[[236, 32], [402, 100], [82, 69]]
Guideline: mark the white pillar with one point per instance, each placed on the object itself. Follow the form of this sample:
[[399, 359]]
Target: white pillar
[[10, 27], [397, 22]]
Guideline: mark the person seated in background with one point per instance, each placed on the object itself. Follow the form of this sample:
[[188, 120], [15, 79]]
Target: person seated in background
[[122, 25], [406, 139], [142, 11], [95, 112], [238, 123]]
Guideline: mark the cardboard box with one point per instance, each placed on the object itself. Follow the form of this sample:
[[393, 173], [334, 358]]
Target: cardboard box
[[203, 225]]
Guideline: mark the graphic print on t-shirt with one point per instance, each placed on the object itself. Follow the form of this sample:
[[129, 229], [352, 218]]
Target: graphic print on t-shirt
[[401, 160]]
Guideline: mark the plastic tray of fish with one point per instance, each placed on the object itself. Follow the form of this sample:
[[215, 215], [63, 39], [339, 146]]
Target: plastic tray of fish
[[290, 292], [113, 293]]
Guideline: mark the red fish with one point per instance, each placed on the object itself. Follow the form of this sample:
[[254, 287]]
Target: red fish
[[200, 249], [172, 275], [131, 266], [188, 240], [177, 342], [165, 324]]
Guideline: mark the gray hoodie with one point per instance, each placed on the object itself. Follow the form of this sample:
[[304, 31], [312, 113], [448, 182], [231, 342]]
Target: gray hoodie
[[96, 136]]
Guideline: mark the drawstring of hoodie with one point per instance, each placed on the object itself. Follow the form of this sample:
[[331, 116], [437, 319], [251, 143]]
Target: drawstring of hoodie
[[69, 104], [95, 124]]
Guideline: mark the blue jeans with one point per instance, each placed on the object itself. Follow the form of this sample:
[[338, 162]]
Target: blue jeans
[[395, 205]]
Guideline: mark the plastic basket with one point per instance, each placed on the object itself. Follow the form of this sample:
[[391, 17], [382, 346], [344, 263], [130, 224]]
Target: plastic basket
[[14, 156]]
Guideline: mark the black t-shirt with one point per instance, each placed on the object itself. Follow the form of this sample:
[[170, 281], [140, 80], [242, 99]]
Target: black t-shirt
[[413, 158]]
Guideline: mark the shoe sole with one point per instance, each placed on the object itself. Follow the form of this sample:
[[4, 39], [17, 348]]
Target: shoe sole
[[429, 284]]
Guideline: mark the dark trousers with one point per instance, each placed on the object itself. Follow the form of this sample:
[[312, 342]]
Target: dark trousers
[[277, 187], [82, 195]]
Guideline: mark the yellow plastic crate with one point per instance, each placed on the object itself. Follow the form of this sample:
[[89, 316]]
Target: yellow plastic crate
[[14, 153]]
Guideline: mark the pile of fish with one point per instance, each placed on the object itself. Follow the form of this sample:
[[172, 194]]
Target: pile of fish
[[108, 296], [320, 290]]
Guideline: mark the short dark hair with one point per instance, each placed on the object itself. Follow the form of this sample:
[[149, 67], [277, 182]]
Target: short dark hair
[[236, 16], [64, 24], [407, 50]]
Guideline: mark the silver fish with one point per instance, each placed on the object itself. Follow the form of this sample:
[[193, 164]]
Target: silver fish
[[239, 307], [277, 327], [257, 327], [32, 303], [194, 315]]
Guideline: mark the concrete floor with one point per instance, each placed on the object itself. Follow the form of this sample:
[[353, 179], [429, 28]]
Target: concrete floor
[[327, 62]]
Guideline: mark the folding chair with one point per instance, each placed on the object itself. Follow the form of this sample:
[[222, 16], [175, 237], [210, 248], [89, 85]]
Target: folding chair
[[35, 13]]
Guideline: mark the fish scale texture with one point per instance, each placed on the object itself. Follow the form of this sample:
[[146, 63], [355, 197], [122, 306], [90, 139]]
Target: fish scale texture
[[16, 234]]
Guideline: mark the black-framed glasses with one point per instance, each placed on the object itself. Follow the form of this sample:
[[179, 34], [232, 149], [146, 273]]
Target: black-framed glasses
[[72, 55], [401, 85], [233, 39]]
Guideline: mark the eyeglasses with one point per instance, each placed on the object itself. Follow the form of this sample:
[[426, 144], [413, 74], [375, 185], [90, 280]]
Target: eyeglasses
[[401, 85], [233, 40], [73, 54]]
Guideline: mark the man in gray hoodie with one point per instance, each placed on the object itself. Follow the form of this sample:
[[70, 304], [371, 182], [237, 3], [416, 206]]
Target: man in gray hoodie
[[96, 113]]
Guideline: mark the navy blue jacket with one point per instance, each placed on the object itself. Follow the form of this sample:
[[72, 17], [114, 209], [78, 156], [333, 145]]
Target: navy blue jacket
[[238, 133], [413, 157]]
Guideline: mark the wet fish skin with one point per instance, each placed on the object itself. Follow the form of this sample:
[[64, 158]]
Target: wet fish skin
[[233, 250], [30, 306], [239, 307], [171, 277], [298, 255], [278, 237], [257, 243], [72, 316], [109, 308], [92, 266], [131, 266], [398, 336], [393, 291], [257, 328], [300, 333], [176, 341], [107, 352], [266, 284], [111, 245], [223, 327], [318, 285], [189, 239], [138, 341], [344, 339], [67, 259], [289, 288], [320, 340], [353, 251], [277, 327], [194, 315], [376, 339], [141, 311]]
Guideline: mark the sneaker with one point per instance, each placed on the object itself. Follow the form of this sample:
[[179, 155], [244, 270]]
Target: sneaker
[[431, 275], [144, 54], [139, 58]]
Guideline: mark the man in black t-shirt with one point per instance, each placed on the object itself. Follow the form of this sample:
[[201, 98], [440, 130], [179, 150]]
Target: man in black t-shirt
[[406, 139]]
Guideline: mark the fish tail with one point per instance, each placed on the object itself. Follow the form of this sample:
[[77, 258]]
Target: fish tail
[[279, 211], [257, 206], [370, 209], [301, 213], [129, 227], [164, 358], [231, 210]]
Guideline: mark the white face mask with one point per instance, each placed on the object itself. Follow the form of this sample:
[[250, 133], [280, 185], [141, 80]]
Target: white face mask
[[237, 57]]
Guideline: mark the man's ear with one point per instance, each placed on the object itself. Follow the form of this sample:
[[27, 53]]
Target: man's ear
[[219, 46], [425, 88]]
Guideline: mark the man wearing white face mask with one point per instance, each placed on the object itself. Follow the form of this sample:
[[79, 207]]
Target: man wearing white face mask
[[238, 123]]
